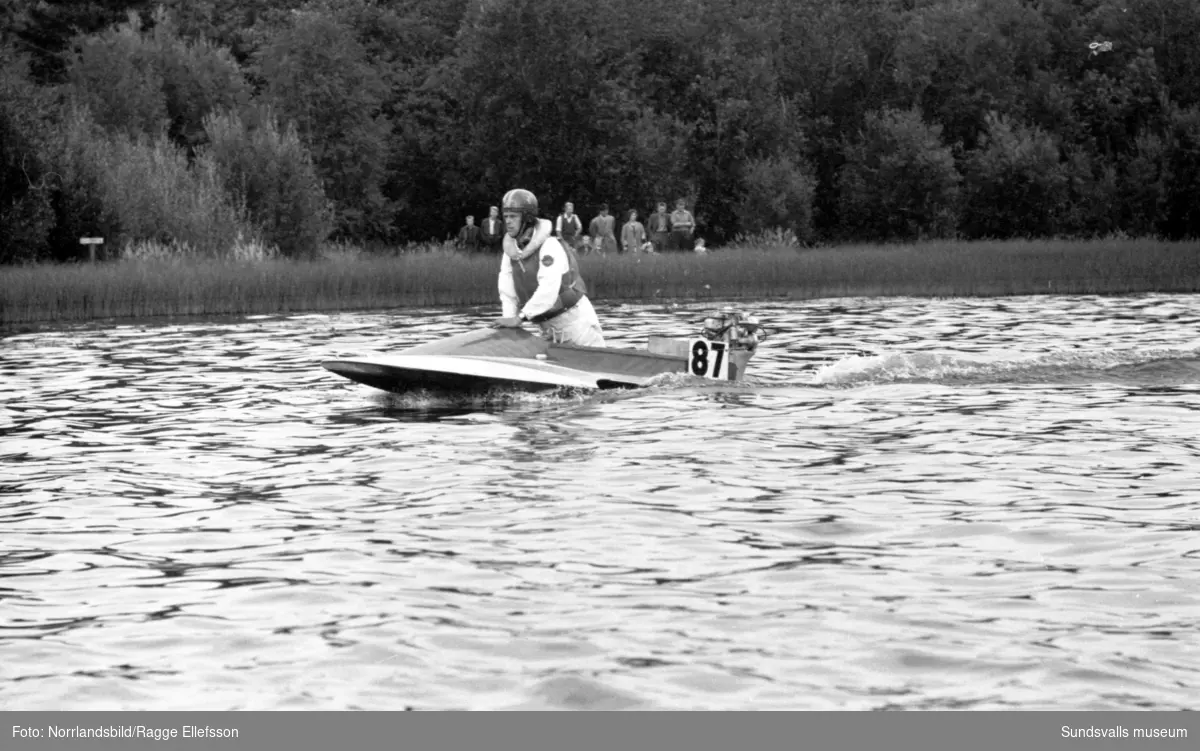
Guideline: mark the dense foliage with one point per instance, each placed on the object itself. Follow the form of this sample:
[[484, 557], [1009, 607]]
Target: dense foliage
[[289, 122]]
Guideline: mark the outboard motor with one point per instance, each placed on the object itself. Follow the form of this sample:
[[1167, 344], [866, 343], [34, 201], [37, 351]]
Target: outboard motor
[[740, 333], [738, 330]]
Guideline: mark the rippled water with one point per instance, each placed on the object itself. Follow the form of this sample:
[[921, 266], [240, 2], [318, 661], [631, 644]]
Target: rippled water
[[915, 504]]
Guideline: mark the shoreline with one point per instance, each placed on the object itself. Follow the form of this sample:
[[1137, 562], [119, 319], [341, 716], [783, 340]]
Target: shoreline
[[46, 296]]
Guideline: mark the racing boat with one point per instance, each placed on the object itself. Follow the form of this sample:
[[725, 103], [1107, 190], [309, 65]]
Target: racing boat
[[512, 358]]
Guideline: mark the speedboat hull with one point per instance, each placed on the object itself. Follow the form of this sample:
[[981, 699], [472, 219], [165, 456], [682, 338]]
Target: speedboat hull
[[514, 359], [507, 359]]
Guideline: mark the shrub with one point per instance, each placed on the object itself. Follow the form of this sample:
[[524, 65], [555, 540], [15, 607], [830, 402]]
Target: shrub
[[1144, 189], [319, 76], [26, 215], [130, 189], [113, 77], [198, 77], [139, 82], [1014, 184], [144, 249], [899, 180], [156, 195], [770, 240], [269, 172], [777, 193], [1182, 210], [76, 155], [656, 156], [1092, 208]]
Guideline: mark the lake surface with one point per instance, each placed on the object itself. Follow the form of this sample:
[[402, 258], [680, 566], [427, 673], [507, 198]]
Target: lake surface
[[913, 504]]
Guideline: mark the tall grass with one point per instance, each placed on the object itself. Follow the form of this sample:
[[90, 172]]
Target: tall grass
[[198, 285], [436, 276], [940, 268]]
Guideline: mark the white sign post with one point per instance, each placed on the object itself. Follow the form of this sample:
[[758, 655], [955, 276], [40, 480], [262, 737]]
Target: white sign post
[[91, 242]]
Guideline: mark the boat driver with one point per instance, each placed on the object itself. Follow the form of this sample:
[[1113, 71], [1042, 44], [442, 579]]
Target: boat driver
[[539, 278]]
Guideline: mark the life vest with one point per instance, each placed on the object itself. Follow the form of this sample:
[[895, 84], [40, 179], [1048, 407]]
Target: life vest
[[569, 227], [570, 292]]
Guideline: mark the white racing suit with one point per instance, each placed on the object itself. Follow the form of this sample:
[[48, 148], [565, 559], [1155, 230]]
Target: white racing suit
[[553, 292]]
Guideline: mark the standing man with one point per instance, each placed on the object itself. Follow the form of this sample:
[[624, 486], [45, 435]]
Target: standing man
[[567, 227], [492, 231], [658, 225], [468, 236], [682, 226], [539, 278]]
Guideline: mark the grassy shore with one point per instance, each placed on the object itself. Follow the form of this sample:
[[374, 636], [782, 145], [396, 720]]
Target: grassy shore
[[196, 287]]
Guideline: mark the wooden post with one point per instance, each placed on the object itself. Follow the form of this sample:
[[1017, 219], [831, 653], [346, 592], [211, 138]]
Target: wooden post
[[91, 242]]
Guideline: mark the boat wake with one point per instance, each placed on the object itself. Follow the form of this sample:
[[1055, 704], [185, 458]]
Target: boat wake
[[666, 381], [1148, 367], [436, 400], [427, 404]]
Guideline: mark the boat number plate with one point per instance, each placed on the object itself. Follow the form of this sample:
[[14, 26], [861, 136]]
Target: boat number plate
[[707, 359]]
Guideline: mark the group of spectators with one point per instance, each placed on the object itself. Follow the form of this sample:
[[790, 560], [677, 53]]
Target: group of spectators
[[662, 231], [485, 237]]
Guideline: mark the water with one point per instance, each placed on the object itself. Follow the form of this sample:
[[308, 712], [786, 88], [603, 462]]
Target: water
[[915, 504]]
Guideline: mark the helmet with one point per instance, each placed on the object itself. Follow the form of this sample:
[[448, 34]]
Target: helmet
[[520, 200]]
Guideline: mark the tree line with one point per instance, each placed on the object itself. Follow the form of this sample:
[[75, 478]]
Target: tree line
[[200, 123]]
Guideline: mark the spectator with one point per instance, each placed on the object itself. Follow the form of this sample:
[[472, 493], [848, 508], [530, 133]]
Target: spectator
[[468, 236], [492, 232], [585, 245], [633, 234], [601, 230], [658, 226], [682, 225], [567, 227], [700, 246]]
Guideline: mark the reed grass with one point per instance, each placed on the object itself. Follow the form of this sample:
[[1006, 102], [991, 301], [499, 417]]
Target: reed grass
[[435, 276]]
